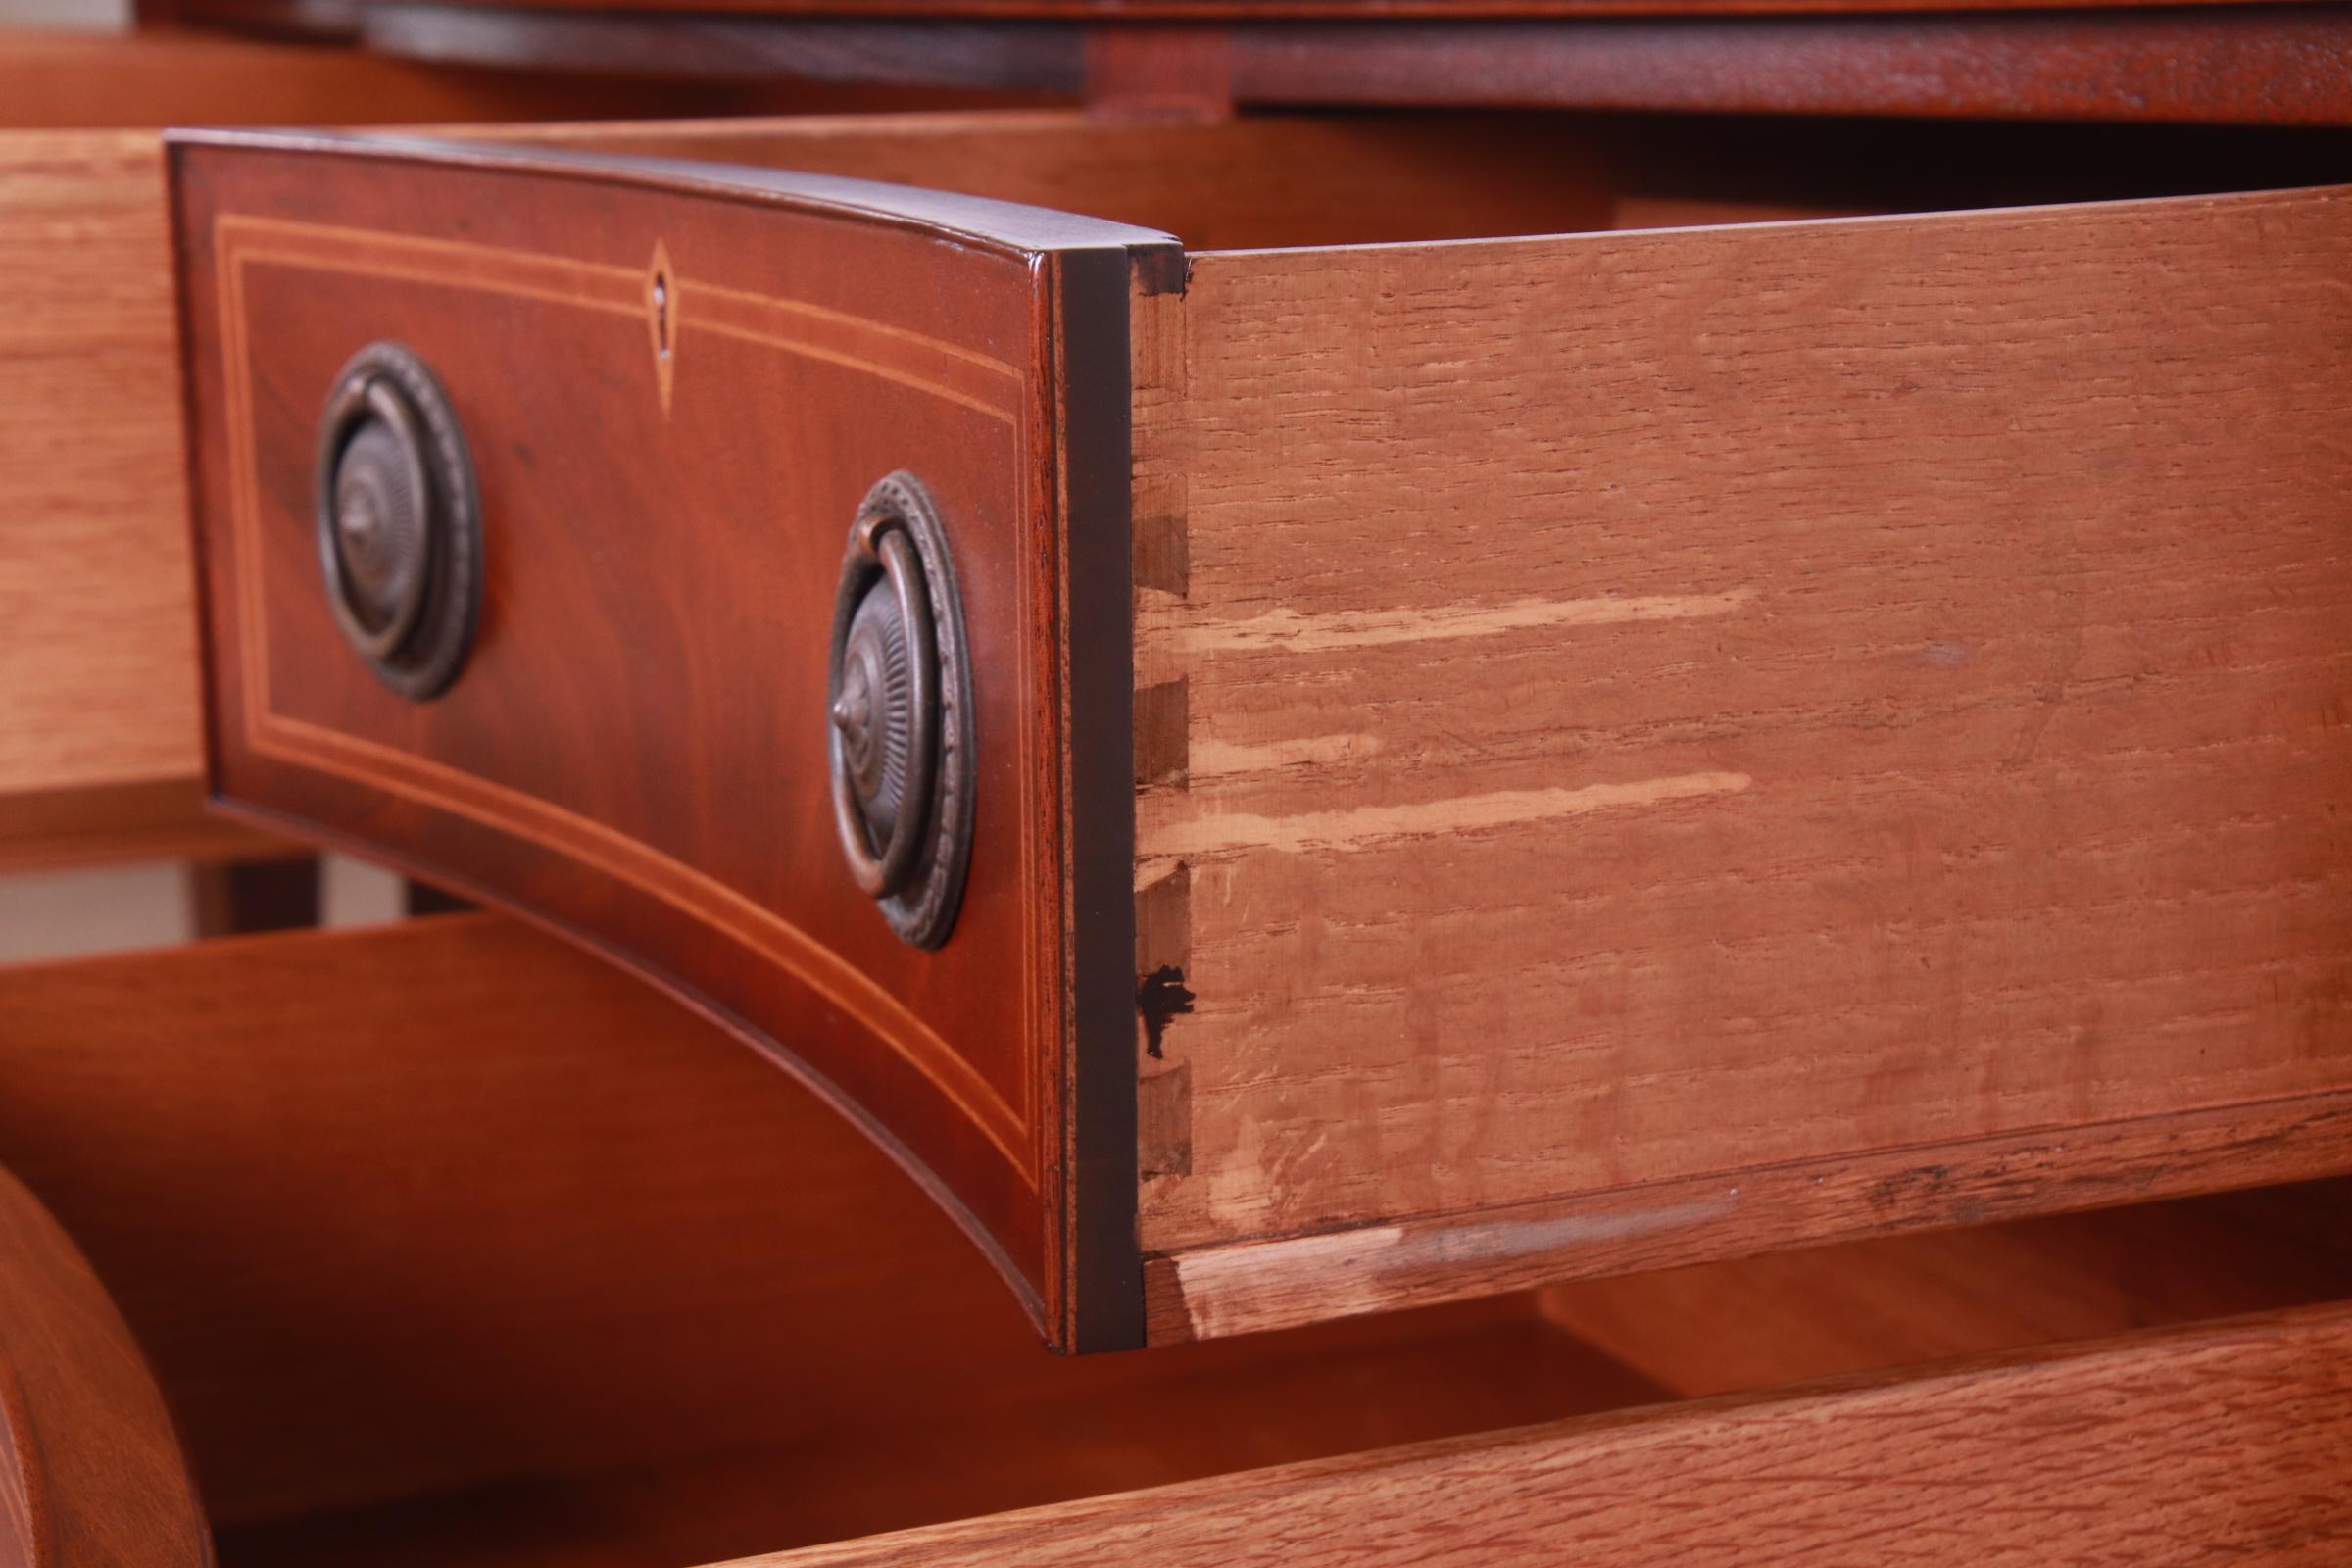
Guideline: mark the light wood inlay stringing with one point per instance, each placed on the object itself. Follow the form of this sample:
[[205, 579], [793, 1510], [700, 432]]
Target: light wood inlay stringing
[[943, 370]]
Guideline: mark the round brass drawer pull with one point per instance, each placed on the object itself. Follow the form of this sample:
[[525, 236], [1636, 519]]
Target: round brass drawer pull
[[398, 522], [898, 710]]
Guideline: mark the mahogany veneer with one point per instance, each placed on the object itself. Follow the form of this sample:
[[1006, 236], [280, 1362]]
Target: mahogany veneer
[[1499, 759]]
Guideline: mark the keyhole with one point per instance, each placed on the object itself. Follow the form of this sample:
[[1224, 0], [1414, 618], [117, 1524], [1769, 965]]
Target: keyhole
[[662, 313]]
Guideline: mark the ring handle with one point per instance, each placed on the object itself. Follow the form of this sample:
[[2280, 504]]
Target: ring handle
[[886, 550], [398, 520], [900, 741], [358, 402]]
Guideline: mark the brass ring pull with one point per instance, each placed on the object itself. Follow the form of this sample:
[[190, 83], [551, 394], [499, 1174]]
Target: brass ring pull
[[898, 699], [885, 544], [398, 522]]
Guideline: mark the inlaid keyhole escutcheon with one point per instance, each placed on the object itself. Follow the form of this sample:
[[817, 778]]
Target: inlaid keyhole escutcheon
[[398, 520], [899, 713]]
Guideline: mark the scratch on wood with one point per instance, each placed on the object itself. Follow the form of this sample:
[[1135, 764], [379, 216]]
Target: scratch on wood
[[1288, 630], [1211, 757], [1374, 824]]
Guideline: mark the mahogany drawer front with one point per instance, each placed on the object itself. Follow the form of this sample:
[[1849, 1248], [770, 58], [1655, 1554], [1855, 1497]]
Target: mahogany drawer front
[[1494, 759], [674, 399]]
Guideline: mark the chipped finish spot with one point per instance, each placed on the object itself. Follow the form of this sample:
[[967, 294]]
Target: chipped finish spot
[[1161, 996]]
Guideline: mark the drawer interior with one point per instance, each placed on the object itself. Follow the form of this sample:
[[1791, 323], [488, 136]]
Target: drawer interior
[[539, 1270], [1292, 180]]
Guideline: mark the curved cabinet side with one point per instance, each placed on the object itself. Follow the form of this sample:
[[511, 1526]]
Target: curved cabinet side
[[90, 1470], [676, 383]]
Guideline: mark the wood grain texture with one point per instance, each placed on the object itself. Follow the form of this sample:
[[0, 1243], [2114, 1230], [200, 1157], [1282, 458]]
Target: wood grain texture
[[91, 1472], [511, 1220], [2222, 1444], [93, 579], [1667, 709], [1787, 1318], [97, 666], [636, 752], [533, 1270], [1247, 1286]]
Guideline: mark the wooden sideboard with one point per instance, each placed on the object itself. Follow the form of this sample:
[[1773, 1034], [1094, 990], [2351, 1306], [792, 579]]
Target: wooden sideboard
[[1532, 794]]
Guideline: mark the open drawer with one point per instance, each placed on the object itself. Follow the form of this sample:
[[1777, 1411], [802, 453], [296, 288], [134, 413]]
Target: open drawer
[[534, 1270], [1289, 757]]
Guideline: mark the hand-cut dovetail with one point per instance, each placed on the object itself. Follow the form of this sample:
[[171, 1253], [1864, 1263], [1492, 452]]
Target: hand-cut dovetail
[[661, 318], [1162, 735]]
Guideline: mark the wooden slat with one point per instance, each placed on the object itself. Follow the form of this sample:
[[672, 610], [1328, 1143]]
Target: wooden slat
[[1672, 718], [2226, 1444], [90, 1472]]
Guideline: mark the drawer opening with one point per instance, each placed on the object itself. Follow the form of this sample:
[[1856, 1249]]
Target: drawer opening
[[1011, 1429], [1282, 180], [544, 1271]]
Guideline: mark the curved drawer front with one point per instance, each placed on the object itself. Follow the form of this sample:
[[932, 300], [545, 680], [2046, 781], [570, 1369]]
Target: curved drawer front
[[675, 395]]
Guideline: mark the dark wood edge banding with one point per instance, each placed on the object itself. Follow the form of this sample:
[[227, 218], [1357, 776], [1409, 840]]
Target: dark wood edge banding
[[1106, 1283], [1007, 227], [192, 476]]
